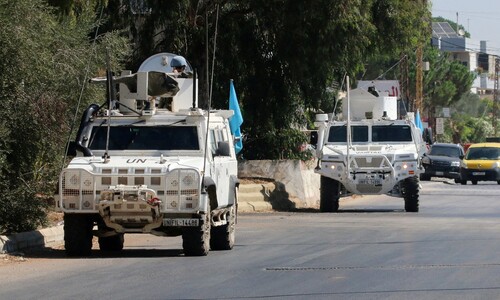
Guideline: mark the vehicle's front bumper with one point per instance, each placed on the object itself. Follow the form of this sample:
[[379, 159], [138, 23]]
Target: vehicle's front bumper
[[446, 172], [480, 175]]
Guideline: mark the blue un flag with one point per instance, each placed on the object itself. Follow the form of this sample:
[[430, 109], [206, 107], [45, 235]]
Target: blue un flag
[[418, 122], [237, 119]]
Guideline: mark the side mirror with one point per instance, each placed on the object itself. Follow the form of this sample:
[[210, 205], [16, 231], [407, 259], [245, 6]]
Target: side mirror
[[313, 138], [223, 149], [427, 135], [461, 156], [71, 150]]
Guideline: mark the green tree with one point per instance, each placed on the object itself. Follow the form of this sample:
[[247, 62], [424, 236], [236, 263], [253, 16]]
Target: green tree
[[44, 63], [469, 121], [444, 84], [285, 57], [467, 129]]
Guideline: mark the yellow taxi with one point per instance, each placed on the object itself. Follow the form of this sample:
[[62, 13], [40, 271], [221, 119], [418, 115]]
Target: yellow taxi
[[481, 163]]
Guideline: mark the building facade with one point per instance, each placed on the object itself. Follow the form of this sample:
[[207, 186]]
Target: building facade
[[471, 53]]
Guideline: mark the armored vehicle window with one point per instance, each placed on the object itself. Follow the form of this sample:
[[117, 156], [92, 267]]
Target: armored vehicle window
[[217, 135], [145, 138], [338, 134], [213, 143], [391, 133]]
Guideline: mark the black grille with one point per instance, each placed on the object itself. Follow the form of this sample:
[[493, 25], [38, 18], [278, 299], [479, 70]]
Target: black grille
[[438, 163]]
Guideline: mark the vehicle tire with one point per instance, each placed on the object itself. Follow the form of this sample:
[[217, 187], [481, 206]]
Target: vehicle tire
[[111, 243], [498, 181], [196, 240], [474, 182], [411, 194], [222, 237], [329, 195], [463, 182], [457, 180], [78, 234], [424, 177]]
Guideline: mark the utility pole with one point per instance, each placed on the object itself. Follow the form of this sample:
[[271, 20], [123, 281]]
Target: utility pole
[[420, 79], [404, 84], [495, 97], [419, 72]]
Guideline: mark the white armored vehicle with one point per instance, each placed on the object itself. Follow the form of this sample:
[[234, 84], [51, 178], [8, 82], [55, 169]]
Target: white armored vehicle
[[368, 151], [153, 163]]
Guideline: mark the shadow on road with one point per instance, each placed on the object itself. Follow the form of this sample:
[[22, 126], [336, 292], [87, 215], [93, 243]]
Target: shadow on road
[[51, 253], [341, 211], [371, 210]]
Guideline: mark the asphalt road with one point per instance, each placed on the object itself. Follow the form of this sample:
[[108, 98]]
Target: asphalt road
[[371, 249]]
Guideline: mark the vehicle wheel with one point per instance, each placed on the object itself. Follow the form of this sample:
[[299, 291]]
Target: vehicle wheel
[[424, 177], [474, 182], [411, 194], [222, 237], [457, 180], [78, 234], [329, 195], [111, 243], [463, 182], [196, 240], [498, 181]]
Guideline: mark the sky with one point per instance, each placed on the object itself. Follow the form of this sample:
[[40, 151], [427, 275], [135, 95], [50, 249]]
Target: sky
[[481, 18]]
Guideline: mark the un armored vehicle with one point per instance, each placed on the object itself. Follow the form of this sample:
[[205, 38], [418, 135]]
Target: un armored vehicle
[[368, 151], [151, 162]]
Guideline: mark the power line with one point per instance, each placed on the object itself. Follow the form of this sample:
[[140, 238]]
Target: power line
[[467, 48], [471, 13]]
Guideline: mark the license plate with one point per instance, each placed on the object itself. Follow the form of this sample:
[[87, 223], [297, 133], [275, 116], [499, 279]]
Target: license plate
[[478, 173], [181, 222], [439, 173], [370, 181]]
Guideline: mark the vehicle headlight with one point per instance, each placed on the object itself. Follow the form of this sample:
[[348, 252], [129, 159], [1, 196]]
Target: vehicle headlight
[[77, 179], [426, 160], [189, 181], [455, 163], [182, 189], [336, 167], [496, 165], [406, 167], [71, 180]]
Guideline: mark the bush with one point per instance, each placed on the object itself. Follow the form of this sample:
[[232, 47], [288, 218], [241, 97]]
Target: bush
[[44, 63], [286, 143], [20, 211]]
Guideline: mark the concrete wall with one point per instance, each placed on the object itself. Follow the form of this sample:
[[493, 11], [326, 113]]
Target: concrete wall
[[296, 177]]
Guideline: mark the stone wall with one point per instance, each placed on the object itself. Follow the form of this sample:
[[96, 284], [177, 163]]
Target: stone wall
[[295, 177]]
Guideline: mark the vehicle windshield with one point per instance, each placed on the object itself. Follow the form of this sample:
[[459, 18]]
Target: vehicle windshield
[[486, 153], [338, 134], [391, 133], [444, 151], [145, 138], [380, 133]]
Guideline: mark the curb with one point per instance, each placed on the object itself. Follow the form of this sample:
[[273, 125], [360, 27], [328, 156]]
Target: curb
[[33, 239]]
